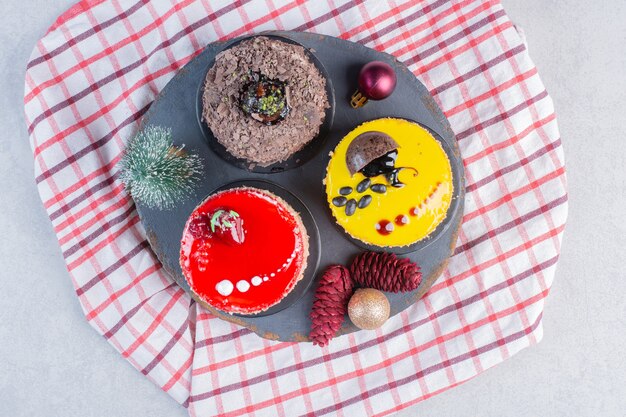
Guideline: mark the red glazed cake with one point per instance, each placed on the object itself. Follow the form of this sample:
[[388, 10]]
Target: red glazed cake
[[243, 250]]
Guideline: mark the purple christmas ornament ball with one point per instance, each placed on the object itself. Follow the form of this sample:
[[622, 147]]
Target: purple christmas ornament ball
[[377, 80]]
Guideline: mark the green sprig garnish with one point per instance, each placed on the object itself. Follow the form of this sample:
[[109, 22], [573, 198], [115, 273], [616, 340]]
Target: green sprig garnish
[[224, 223]]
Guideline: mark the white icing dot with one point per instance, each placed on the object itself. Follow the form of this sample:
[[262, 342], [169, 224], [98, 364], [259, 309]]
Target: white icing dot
[[265, 279], [243, 285], [414, 211], [256, 280], [389, 227], [404, 220], [224, 287], [377, 226], [272, 275], [285, 264], [279, 269]]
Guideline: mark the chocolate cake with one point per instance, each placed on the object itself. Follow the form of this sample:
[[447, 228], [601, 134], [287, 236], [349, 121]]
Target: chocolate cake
[[264, 100]]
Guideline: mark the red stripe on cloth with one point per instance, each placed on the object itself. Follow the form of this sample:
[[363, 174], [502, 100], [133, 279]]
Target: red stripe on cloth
[[394, 11], [166, 349], [120, 262], [446, 364], [497, 259], [476, 352], [408, 34], [470, 159], [65, 206], [224, 338], [248, 27], [312, 23], [116, 295], [100, 215], [83, 123], [154, 325], [176, 377], [120, 218], [508, 197], [378, 33], [302, 376], [93, 146], [500, 88], [74, 11], [504, 56], [509, 225], [514, 166], [102, 54], [456, 37], [90, 252], [407, 404], [110, 333]]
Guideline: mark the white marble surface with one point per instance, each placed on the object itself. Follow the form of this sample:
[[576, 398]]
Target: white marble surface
[[53, 364]]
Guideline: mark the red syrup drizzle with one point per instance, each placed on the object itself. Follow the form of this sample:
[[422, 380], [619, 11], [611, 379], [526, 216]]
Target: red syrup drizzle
[[401, 219], [271, 237], [383, 227]]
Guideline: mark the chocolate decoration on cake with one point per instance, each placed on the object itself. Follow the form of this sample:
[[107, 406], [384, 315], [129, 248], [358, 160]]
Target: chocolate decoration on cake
[[264, 99], [366, 147], [373, 154], [385, 165]]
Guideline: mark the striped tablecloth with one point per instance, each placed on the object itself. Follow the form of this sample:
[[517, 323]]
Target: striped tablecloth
[[95, 73]]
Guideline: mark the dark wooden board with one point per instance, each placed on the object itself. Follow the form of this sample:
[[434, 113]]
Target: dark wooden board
[[176, 108]]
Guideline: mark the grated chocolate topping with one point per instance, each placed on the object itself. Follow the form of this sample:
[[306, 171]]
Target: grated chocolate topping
[[243, 136]]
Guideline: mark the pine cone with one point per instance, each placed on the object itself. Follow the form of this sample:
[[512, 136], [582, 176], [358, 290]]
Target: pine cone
[[330, 305], [385, 272]]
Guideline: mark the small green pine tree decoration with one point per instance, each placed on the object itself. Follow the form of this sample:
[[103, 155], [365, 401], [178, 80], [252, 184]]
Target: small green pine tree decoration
[[157, 173]]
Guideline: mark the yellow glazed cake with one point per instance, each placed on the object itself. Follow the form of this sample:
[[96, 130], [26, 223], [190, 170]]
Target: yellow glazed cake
[[389, 183]]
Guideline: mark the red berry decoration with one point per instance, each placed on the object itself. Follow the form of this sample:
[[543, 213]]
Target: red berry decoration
[[227, 226], [330, 305], [385, 272], [199, 227], [377, 80]]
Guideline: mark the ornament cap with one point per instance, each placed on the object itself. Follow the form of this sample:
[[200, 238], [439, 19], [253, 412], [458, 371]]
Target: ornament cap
[[358, 100]]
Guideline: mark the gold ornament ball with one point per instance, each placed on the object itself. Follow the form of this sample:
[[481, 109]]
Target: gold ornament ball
[[368, 308]]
